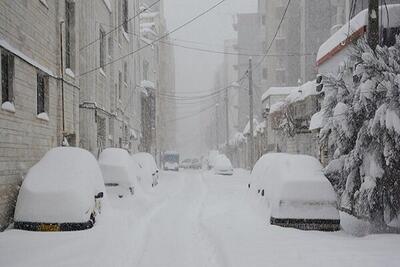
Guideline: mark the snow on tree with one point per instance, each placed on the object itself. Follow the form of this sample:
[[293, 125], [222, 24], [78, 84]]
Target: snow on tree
[[362, 110]]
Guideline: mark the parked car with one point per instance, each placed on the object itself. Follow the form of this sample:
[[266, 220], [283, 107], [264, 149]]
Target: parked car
[[212, 155], [195, 164], [119, 172], [222, 165], [64, 191], [297, 192], [171, 161], [185, 164], [149, 169]]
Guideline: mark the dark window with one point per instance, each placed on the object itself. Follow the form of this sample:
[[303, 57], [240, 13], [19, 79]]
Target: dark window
[[125, 15], [119, 85], [102, 48], [69, 34], [125, 72], [7, 77], [42, 93], [265, 73], [110, 46]]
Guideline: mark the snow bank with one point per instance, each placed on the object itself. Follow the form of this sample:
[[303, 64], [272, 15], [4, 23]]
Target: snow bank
[[294, 186], [60, 188]]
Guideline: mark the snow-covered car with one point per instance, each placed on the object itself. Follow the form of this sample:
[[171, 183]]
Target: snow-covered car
[[195, 164], [222, 165], [212, 155], [119, 171], [185, 164], [149, 169], [64, 191], [297, 192]]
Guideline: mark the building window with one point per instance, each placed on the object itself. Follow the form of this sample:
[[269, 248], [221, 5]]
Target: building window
[[69, 34], [119, 85], [102, 48], [42, 93], [7, 77], [110, 46], [145, 70], [265, 73], [125, 72], [125, 15]]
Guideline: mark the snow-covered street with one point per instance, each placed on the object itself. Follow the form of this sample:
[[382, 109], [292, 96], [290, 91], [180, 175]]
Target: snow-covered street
[[194, 218]]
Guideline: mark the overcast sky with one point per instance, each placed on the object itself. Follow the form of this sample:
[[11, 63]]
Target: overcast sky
[[195, 70]]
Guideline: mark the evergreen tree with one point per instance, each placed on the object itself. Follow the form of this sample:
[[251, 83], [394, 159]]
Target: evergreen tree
[[362, 131]]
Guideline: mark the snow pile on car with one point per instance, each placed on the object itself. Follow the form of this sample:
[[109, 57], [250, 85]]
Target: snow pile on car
[[294, 186], [148, 168], [118, 168], [60, 188]]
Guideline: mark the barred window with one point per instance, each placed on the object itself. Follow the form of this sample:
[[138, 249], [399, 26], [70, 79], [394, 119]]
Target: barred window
[[69, 34], [7, 77], [42, 92], [125, 15]]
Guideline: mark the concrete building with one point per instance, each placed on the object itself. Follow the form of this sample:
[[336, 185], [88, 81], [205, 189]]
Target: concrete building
[[109, 97], [249, 41], [40, 94]]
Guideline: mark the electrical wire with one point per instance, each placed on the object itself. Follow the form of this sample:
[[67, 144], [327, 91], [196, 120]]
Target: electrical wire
[[158, 39], [118, 26]]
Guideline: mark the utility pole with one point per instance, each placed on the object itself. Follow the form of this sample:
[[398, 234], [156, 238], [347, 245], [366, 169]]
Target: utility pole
[[373, 23], [251, 114], [226, 117]]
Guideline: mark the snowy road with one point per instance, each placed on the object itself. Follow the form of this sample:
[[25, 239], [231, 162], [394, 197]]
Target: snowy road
[[195, 219]]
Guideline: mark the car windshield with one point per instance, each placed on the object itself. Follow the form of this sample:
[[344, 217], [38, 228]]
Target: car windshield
[[235, 133]]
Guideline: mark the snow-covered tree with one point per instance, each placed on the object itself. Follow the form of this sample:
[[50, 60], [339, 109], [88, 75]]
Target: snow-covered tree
[[362, 131]]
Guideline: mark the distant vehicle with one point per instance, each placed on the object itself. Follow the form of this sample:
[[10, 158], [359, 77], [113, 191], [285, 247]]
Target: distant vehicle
[[149, 169], [186, 163], [119, 173], [171, 161], [222, 165], [64, 191], [196, 164], [297, 192], [211, 158]]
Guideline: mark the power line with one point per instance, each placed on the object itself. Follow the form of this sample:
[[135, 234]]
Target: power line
[[118, 26], [158, 39]]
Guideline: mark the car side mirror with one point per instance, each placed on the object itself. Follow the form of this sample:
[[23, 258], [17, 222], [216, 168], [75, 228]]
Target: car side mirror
[[99, 195]]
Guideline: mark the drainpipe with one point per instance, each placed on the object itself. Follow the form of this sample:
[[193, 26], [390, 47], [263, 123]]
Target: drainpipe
[[62, 79]]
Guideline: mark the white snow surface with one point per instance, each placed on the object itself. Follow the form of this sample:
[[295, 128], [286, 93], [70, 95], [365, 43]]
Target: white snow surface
[[147, 84], [294, 186], [118, 167], [277, 91], [148, 168], [8, 106], [60, 188], [302, 92], [195, 219], [43, 116], [278, 106], [359, 21], [317, 121]]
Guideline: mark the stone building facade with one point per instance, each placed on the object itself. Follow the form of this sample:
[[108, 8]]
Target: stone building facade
[[39, 96], [109, 78]]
